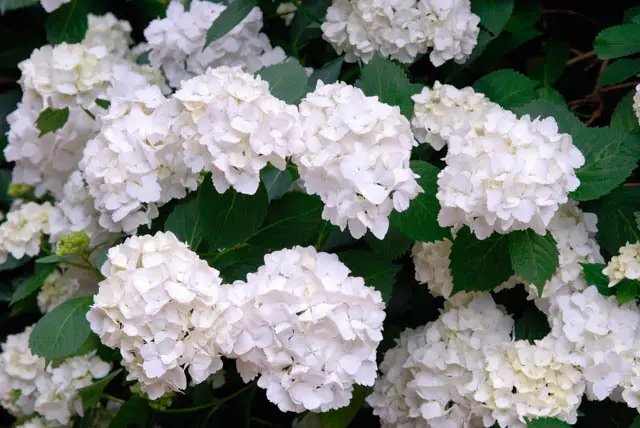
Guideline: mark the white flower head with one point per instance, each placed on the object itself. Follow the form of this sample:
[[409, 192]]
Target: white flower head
[[177, 42], [63, 284], [402, 30], [110, 32], [157, 305], [51, 5], [287, 12], [356, 158], [625, 265], [636, 102], [21, 233], [306, 328], [233, 127]]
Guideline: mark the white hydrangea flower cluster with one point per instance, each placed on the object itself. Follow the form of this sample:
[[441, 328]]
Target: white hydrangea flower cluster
[[625, 265], [177, 42], [356, 158], [233, 127], [21, 233], [526, 380], [135, 163], [431, 376], [402, 30], [63, 284], [28, 386], [51, 5], [575, 234], [157, 305], [307, 328], [502, 173], [636, 102], [110, 32], [40, 422]]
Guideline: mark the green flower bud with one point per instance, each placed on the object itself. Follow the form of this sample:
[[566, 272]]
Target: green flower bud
[[76, 243], [19, 190], [160, 404]]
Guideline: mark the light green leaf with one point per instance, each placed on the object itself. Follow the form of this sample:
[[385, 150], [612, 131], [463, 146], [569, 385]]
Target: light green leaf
[[232, 217], [507, 88], [90, 395], [618, 41], [92, 343], [394, 245], [531, 325], [619, 71], [623, 116], [7, 5], [50, 120], [275, 181], [493, 14], [377, 272], [33, 284], [420, 221], [616, 223], [185, 222], [228, 19], [329, 73], [62, 331], [547, 423], [291, 220], [611, 156], [593, 276], [389, 82], [287, 80], [567, 121], [68, 23], [479, 265], [534, 258]]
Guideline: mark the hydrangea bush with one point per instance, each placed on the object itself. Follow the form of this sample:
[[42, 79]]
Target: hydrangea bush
[[319, 214]]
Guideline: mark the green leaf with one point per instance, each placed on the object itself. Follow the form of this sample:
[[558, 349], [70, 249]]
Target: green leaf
[[13, 263], [32, 284], [234, 265], [54, 258], [394, 245], [525, 15], [389, 82], [104, 104], [567, 121], [534, 258], [549, 94], [593, 276], [68, 23], [507, 88], [493, 14], [637, 217], [547, 423], [619, 71], [5, 181], [623, 116], [420, 221], [611, 155], [186, 223], [90, 395], [302, 31], [618, 41], [91, 344], [50, 120], [7, 5], [287, 80], [616, 224], [232, 217], [228, 19], [275, 181], [291, 220], [329, 73], [531, 325], [626, 290], [377, 272], [479, 265], [636, 423], [555, 61], [62, 331], [341, 418], [135, 412]]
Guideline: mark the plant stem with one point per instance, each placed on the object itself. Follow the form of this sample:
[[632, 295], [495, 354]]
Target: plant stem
[[112, 398], [216, 404]]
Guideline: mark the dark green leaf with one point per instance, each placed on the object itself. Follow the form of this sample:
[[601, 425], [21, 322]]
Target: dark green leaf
[[68, 23], [389, 82], [549, 94], [185, 222], [636, 423], [329, 73], [531, 325], [479, 265], [232, 217], [7, 5], [12, 263], [394, 245], [91, 344], [616, 224], [593, 276], [32, 284], [54, 258], [555, 61], [507, 88], [623, 116], [275, 181], [135, 412], [229, 18], [618, 41], [493, 14], [420, 221], [567, 121], [611, 155], [5, 181], [90, 395], [626, 290], [547, 423], [619, 71], [341, 418], [631, 14], [377, 272], [50, 120], [525, 15], [302, 30], [103, 103], [534, 258], [291, 220], [62, 331], [287, 80], [236, 264], [637, 217]]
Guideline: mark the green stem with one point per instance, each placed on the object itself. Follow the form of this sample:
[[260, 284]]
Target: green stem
[[215, 404], [112, 398], [304, 11]]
